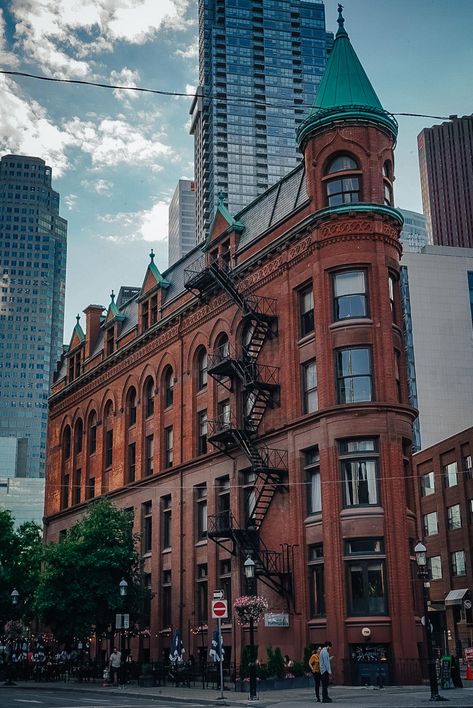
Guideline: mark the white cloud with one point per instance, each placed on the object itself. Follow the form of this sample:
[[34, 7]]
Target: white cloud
[[189, 52], [6, 58], [101, 186], [125, 77], [60, 34], [149, 225], [70, 200], [114, 142], [26, 129]]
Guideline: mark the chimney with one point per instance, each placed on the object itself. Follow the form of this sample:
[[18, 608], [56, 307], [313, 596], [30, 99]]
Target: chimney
[[93, 313]]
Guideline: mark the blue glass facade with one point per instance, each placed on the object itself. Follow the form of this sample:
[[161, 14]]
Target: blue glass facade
[[260, 62], [32, 288]]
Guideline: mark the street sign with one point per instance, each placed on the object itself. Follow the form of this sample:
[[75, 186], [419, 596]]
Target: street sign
[[219, 609], [218, 594]]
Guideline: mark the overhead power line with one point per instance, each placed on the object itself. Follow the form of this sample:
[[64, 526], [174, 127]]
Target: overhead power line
[[211, 97]]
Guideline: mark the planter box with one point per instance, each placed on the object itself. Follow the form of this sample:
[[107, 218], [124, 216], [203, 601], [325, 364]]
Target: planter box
[[276, 684]]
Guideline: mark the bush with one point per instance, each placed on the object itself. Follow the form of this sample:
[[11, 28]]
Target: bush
[[275, 662], [298, 669], [307, 655]]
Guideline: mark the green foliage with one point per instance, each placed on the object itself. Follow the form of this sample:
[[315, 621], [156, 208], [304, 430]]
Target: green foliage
[[298, 669], [20, 565], [79, 588], [307, 655], [275, 662]]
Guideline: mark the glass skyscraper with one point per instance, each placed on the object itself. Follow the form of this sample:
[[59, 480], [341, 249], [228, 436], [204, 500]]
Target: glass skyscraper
[[260, 62], [181, 230], [33, 272]]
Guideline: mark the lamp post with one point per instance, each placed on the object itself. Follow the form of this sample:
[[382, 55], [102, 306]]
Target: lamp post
[[249, 567], [423, 574], [123, 592], [14, 596]]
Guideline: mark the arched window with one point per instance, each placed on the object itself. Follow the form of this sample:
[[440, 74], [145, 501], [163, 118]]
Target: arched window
[[78, 434], [343, 188], [92, 433], [168, 387], [387, 169], [201, 368], [66, 442], [108, 431], [131, 406], [222, 348], [149, 397]]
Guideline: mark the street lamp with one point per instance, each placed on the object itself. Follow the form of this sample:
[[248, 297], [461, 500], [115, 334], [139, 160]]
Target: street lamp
[[123, 592], [123, 587], [423, 574], [249, 567], [14, 596]]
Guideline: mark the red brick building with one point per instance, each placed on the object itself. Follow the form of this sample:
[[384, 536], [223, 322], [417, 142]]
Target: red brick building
[[445, 492], [252, 401]]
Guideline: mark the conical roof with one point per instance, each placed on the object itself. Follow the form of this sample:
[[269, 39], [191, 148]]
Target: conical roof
[[345, 92]]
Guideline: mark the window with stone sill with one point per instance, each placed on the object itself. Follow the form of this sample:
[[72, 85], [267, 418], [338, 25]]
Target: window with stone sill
[[354, 375], [149, 454], [350, 297], [306, 311], [201, 365], [366, 577], [131, 407], [430, 524], [309, 387], [166, 520], [147, 526], [454, 517], [450, 473], [343, 188], [435, 566], [458, 560], [149, 397], [359, 472], [92, 442], [427, 484], [168, 387], [316, 580], [66, 442], [311, 462]]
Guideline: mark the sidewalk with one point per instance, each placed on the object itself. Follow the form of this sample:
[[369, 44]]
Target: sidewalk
[[349, 696]]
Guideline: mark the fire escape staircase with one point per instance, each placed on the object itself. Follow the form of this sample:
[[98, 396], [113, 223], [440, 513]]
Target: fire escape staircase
[[260, 389]]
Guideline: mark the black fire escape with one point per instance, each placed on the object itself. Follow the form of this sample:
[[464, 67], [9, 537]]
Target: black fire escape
[[259, 387]]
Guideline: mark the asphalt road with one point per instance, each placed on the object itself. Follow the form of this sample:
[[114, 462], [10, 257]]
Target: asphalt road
[[29, 698]]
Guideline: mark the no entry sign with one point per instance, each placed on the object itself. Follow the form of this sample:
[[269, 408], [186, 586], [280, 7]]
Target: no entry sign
[[219, 609]]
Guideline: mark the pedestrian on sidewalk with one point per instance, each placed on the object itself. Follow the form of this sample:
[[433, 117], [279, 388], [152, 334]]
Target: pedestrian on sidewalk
[[114, 665], [325, 671], [314, 663]]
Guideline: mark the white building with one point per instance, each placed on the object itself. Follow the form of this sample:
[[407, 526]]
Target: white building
[[437, 286]]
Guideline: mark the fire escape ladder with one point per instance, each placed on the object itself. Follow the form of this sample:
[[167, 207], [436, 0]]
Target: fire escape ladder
[[261, 389]]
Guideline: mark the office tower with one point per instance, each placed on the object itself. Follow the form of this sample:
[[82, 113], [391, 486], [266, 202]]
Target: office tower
[[446, 174], [259, 67], [33, 272], [414, 232], [437, 290], [181, 231]]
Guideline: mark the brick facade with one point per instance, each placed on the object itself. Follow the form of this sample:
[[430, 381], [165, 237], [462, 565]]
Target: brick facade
[[339, 413]]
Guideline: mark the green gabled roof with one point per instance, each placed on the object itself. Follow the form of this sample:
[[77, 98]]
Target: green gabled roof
[[113, 313], [233, 224], [154, 270], [345, 91], [78, 331]]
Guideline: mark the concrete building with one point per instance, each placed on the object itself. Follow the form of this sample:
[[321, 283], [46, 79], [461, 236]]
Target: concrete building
[[444, 486], [446, 176], [181, 232], [259, 67], [23, 497], [437, 287], [33, 273], [252, 401], [414, 231]]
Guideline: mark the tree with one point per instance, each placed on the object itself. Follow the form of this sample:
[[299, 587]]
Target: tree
[[79, 586], [20, 564]]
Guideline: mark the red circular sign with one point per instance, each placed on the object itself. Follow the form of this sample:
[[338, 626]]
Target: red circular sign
[[220, 608]]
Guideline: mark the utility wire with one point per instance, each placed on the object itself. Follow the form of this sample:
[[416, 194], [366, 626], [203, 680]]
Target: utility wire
[[211, 97]]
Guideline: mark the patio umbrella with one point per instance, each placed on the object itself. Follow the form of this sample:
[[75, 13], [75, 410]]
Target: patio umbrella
[[177, 648], [216, 648]]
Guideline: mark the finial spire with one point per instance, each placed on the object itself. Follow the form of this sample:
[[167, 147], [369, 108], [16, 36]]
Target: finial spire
[[341, 23], [221, 197], [112, 296], [77, 318], [151, 255]]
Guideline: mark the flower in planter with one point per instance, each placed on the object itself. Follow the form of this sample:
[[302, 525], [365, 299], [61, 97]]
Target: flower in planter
[[249, 607]]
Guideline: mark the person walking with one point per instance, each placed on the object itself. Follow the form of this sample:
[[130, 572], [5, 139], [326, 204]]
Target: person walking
[[325, 671], [314, 663], [115, 663]]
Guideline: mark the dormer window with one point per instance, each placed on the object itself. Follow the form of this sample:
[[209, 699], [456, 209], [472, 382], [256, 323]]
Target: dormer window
[[144, 315], [342, 187], [154, 309]]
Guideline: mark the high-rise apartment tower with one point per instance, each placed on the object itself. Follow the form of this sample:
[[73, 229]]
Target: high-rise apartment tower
[[259, 67], [181, 232], [33, 272], [446, 173]]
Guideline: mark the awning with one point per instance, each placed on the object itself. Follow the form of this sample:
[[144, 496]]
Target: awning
[[455, 597]]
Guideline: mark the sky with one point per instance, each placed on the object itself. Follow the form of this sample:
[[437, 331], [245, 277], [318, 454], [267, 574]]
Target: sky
[[117, 155]]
